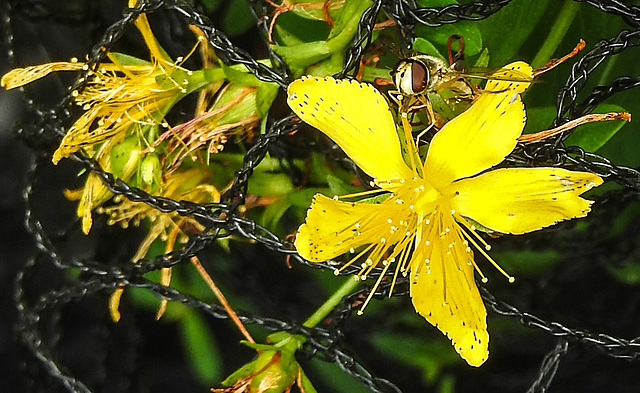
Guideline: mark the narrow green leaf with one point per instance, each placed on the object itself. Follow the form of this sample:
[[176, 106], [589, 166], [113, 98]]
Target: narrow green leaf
[[270, 184], [125, 59], [349, 18], [201, 348], [505, 31], [307, 386]]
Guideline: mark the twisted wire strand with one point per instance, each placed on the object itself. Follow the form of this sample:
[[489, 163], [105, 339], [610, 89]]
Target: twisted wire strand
[[612, 346], [407, 14], [630, 14], [549, 367], [567, 108]]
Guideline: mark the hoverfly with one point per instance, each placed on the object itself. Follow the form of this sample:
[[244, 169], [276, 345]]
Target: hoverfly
[[417, 76]]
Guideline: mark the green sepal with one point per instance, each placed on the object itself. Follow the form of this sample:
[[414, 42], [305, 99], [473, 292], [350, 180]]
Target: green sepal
[[243, 372]]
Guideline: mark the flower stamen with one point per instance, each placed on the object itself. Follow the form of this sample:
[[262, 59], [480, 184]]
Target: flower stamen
[[375, 286], [482, 250]]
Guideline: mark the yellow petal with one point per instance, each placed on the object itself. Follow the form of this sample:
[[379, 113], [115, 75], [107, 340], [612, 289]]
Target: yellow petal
[[114, 303], [356, 117], [507, 76], [142, 23], [520, 200], [333, 227], [22, 76], [444, 292], [480, 137]]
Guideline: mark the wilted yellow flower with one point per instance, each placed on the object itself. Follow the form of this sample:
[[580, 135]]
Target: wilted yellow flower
[[94, 193], [426, 226], [118, 94]]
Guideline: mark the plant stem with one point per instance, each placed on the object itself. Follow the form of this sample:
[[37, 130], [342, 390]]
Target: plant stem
[[331, 303], [556, 34]]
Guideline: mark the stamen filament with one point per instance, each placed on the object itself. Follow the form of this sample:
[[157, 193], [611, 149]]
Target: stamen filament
[[352, 260], [483, 252], [471, 229], [373, 290]]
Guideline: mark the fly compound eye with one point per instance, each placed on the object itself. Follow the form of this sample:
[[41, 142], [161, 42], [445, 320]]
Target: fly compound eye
[[411, 77], [419, 77], [402, 77]]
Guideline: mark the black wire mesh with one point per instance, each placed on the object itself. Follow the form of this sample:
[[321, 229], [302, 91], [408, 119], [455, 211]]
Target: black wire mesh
[[39, 311]]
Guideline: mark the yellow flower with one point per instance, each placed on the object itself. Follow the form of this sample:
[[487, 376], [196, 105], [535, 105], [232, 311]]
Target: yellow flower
[[124, 92], [425, 228]]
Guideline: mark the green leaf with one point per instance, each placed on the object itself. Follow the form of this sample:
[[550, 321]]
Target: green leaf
[[431, 357], [425, 46], [274, 212], [201, 347], [339, 187], [440, 35], [242, 372], [483, 59], [539, 119], [527, 263], [307, 386], [240, 75], [593, 136], [312, 9], [270, 184], [505, 31], [301, 56], [629, 273], [347, 21], [265, 95], [238, 18], [151, 172], [240, 110], [125, 156], [292, 29]]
